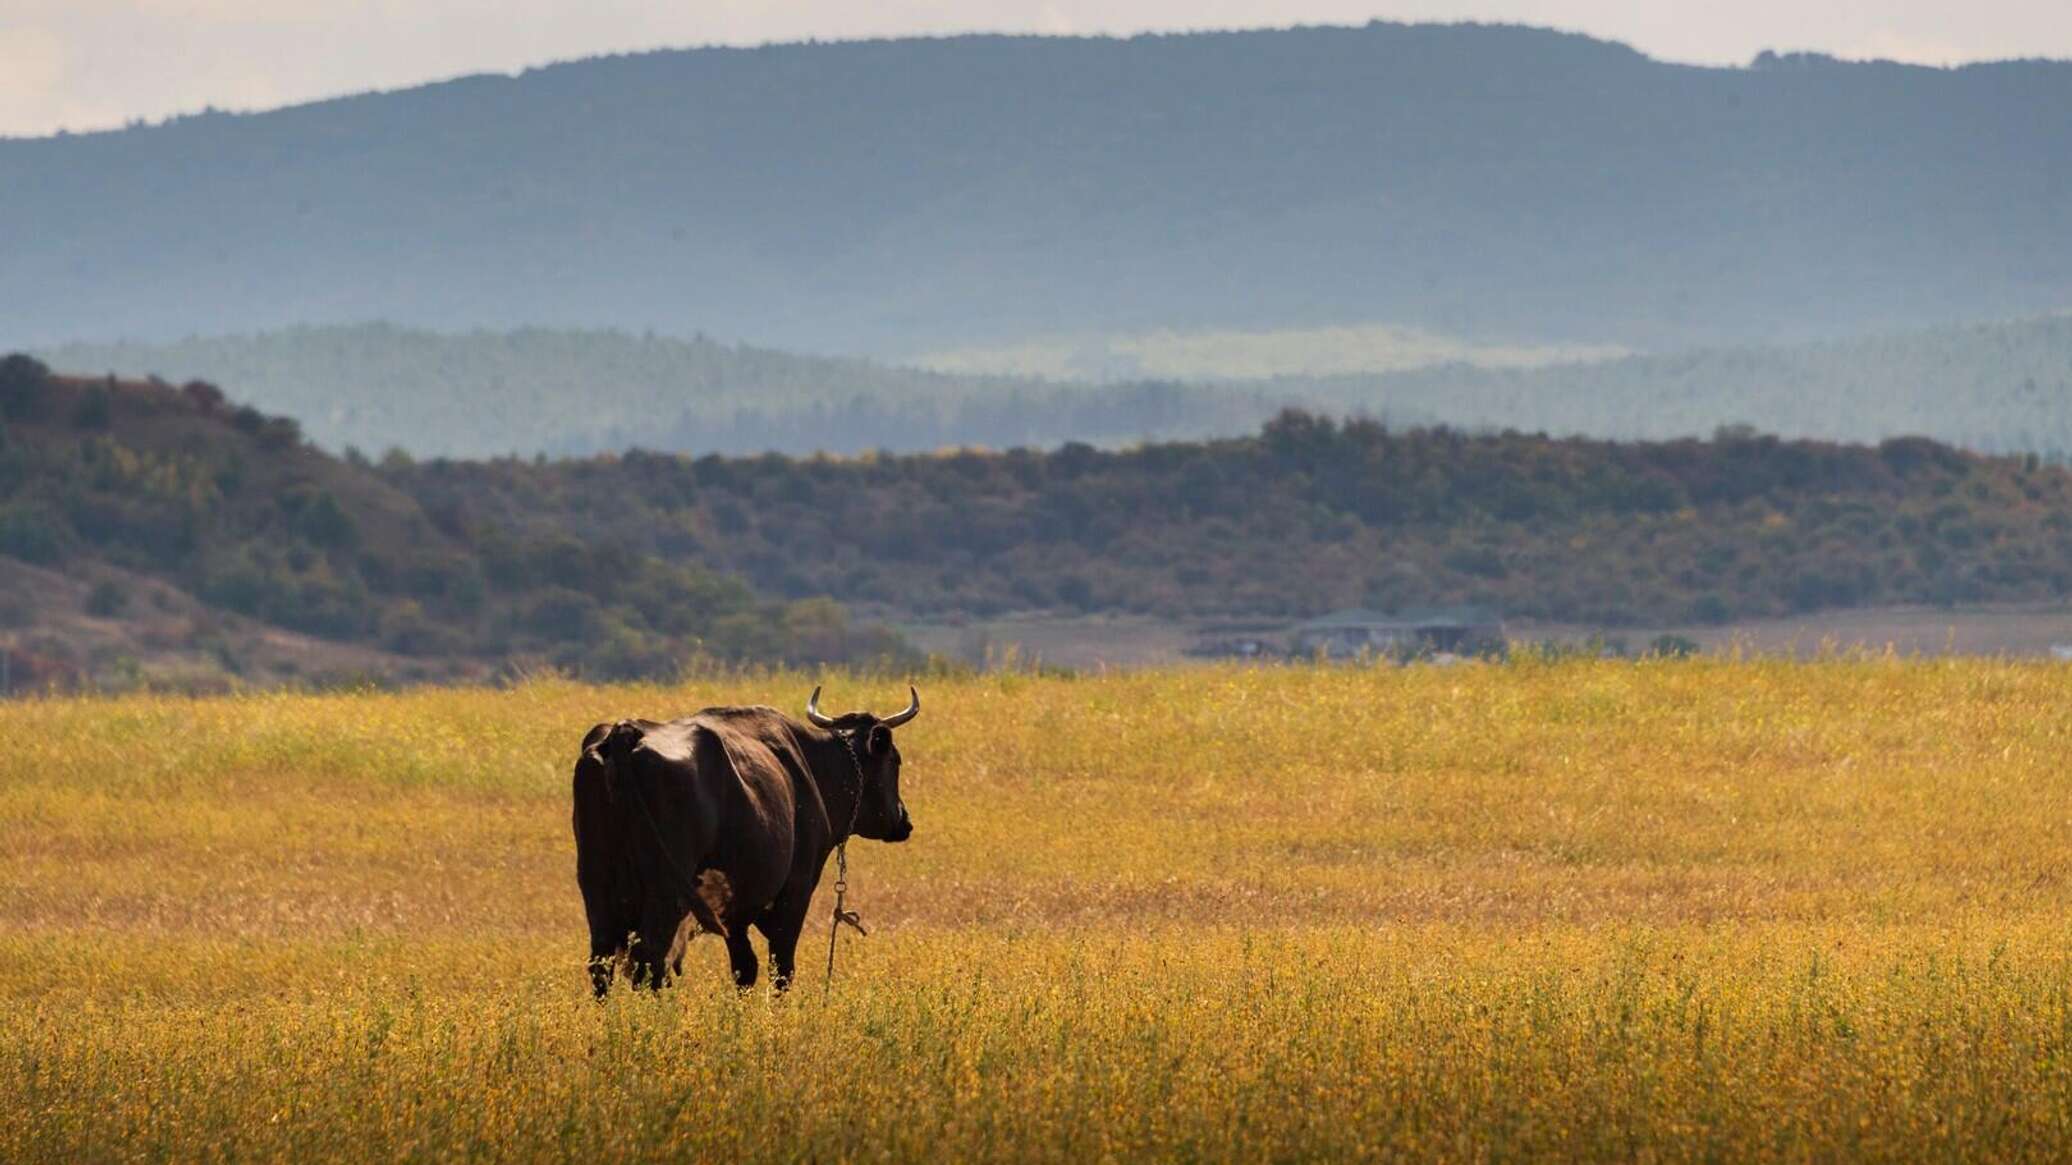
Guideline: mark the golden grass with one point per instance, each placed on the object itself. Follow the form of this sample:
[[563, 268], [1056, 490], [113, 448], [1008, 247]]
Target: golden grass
[[1674, 911]]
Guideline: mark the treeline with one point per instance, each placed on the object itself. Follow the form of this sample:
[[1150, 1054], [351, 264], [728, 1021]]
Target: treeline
[[232, 506], [1312, 514], [625, 565]]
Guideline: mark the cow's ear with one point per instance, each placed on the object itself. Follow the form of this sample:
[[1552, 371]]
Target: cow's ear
[[879, 742]]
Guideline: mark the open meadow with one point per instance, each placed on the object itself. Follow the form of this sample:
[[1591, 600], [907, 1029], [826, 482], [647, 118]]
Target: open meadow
[[1693, 910]]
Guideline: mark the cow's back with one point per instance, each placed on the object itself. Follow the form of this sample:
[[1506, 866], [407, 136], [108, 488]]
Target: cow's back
[[754, 747], [658, 802]]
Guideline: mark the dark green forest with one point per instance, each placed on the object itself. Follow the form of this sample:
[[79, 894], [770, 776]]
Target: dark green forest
[[1312, 514], [232, 506], [626, 565], [882, 198]]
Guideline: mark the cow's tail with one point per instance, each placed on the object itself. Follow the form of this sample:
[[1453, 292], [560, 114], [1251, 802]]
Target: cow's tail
[[603, 748], [609, 897]]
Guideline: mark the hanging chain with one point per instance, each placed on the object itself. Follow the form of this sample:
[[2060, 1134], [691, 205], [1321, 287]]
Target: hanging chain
[[841, 916]]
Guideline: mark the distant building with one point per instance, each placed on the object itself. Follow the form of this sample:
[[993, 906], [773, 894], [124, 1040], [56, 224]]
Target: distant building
[[1404, 634], [1255, 647]]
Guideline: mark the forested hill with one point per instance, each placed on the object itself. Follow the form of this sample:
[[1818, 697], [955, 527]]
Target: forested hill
[[887, 196], [200, 525], [629, 565], [2000, 387], [1311, 515]]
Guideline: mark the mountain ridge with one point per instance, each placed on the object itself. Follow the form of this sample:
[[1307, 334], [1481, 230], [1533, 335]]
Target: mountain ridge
[[1763, 59], [879, 197]]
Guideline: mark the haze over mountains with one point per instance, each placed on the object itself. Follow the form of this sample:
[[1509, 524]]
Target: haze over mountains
[[483, 394], [2002, 388], [1996, 388], [1504, 184]]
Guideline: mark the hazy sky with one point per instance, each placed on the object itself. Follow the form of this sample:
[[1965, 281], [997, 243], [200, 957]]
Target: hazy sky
[[91, 63]]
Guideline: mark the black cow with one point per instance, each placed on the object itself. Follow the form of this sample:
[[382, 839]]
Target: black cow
[[723, 819]]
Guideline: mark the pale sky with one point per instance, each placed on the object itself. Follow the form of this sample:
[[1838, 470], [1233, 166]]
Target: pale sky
[[85, 64]]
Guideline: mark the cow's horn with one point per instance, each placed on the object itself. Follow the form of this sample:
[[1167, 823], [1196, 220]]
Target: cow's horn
[[913, 709], [814, 716]]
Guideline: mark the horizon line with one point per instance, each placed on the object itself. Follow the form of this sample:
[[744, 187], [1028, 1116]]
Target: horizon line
[[208, 110]]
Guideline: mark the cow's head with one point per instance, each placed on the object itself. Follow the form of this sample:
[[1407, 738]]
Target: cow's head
[[881, 816]]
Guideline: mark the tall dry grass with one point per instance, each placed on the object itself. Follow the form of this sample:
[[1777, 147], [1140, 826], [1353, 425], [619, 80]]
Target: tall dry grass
[[1692, 910]]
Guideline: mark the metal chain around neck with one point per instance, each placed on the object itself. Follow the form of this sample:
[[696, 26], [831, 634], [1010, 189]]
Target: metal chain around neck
[[841, 916], [856, 801]]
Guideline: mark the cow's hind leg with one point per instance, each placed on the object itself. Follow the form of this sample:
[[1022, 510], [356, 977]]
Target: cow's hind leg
[[606, 952], [611, 921], [742, 956], [652, 946]]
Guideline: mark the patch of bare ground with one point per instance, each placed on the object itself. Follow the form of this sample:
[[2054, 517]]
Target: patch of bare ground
[[112, 630]]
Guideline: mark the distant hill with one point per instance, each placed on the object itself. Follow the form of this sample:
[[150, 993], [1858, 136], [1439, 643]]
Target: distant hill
[[479, 394], [886, 198], [1997, 388], [163, 534], [1993, 387], [1247, 354]]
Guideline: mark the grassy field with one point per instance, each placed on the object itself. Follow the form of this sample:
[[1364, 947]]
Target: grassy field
[[1706, 910]]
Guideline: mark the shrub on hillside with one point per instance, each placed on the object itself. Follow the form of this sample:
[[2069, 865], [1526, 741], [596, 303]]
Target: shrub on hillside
[[316, 516], [406, 629], [24, 387], [33, 532], [106, 598], [95, 408]]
